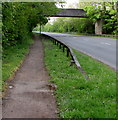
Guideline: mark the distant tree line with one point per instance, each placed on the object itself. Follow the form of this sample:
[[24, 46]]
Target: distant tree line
[[80, 25]]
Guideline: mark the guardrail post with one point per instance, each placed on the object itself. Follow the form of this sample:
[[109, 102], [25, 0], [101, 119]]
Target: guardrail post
[[72, 62], [60, 46], [55, 42], [63, 48], [67, 52]]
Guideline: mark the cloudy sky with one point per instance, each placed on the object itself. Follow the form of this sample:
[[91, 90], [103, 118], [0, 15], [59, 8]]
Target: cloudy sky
[[70, 3]]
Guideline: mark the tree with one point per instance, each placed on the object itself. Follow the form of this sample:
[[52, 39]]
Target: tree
[[19, 19], [105, 11], [80, 25]]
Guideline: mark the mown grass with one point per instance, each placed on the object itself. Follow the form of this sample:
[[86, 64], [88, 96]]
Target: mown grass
[[76, 96], [75, 33], [12, 58]]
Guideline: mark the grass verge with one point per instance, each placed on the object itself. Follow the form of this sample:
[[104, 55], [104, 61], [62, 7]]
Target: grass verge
[[75, 33], [76, 96], [12, 59], [92, 35]]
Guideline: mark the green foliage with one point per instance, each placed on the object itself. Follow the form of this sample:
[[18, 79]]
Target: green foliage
[[19, 19], [92, 12], [76, 96], [106, 11], [81, 25]]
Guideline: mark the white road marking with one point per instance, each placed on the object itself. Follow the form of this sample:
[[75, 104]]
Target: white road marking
[[105, 43], [85, 40]]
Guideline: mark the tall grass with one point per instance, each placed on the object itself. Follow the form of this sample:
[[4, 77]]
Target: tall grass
[[12, 58]]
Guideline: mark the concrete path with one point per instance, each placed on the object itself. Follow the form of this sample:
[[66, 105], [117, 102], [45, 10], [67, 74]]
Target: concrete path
[[30, 96]]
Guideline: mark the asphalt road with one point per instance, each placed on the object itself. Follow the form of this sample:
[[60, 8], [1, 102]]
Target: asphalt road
[[102, 49]]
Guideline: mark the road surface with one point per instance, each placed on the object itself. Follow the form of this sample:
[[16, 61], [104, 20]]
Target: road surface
[[102, 49]]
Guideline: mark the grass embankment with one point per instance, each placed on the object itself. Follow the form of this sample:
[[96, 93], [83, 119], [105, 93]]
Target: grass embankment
[[76, 96], [75, 33], [12, 58]]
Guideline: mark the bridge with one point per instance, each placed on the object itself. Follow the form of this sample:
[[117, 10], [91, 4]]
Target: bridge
[[80, 13], [77, 13]]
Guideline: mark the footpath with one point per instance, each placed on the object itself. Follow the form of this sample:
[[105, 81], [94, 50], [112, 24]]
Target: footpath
[[30, 96]]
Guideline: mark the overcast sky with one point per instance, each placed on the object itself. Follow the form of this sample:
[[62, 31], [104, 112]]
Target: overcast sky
[[72, 3]]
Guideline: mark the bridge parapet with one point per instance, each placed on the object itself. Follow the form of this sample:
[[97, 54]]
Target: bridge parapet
[[70, 13]]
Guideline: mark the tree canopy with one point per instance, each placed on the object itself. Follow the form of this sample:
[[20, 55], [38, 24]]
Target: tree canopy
[[19, 19], [107, 11]]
